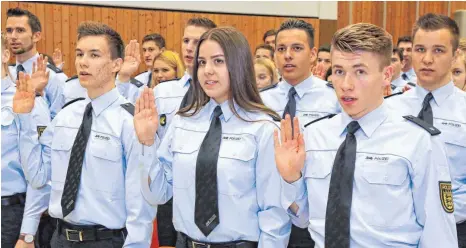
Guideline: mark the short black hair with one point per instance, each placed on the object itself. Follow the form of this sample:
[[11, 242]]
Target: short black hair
[[269, 33], [398, 52], [33, 21], [324, 48], [266, 47], [202, 22], [328, 74], [405, 38], [301, 25], [434, 22], [90, 28], [157, 38]]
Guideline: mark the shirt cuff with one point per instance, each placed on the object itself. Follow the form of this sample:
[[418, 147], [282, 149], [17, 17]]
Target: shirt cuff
[[30, 225], [149, 170], [292, 192]]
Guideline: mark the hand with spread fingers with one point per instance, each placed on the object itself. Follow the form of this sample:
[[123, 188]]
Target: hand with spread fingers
[[318, 71], [23, 100], [289, 150], [146, 118], [131, 62], [57, 58], [40, 75]]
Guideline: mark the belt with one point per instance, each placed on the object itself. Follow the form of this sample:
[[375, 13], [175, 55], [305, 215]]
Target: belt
[[15, 199], [77, 233], [191, 243]]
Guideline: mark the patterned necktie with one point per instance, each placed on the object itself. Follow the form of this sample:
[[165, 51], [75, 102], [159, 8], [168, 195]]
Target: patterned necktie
[[206, 214], [73, 175], [187, 98], [426, 111], [340, 194], [19, 68], [290, 107]]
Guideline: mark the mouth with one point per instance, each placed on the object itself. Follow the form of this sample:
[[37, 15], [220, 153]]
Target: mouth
[[188, 58], [211, 82], [83, 74], [348, 99], [148, 60], [288, 67], [428, 70]]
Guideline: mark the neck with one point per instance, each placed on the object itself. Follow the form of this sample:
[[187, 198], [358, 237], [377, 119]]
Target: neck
[[433, 86], [190, 71], [94, 93], [295, 82], [4, 70], [20, 58], [406, 69], [367, 110]]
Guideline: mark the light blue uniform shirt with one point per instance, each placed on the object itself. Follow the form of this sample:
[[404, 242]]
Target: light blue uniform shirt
[[18, 149], [396, 200], [54, 88], [248, 180], [109, 192], [449, 111], [399, 84], [314, 99], [412, 77], [144, 77]]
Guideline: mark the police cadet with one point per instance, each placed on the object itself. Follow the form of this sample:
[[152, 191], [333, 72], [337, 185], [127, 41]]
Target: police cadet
[[299, 93], [18, 148], [370, 178], [437, 101], [152, 46], [397, 62], [91, 155], [23, 31], [215, 157], [405, 44]]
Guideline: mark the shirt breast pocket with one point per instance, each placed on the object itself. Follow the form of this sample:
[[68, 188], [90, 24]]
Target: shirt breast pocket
[[9, 131], [62, 143], [383, 186], [185, 149], [317, 178], [235, 169], [455, 144], [105, 165]]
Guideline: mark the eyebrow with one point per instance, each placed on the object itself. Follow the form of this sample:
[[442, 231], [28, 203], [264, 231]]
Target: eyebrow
[[214, 56], [92, 50]]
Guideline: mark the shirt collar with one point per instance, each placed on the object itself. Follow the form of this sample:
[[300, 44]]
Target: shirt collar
[[104, 101], [27, 64], [399, 82], [369, 122], [6, 83], [226, 111], [300, 88], [185, 79], [440, 95]]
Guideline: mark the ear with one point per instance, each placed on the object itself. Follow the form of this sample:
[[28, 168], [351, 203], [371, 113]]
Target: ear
[[5, 56], [37, 36], [387, 75], [117, 63], [162, 50], [313, 53]]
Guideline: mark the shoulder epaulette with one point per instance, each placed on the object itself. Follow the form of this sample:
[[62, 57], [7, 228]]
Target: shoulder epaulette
[[392, 86], [73, 101], [429, 128], [38, 94], [71, 78], [398, 93], [12, 64], [274, 118], [175, 79], [330, 85], [128, 107], [319, 119], [268, 87], [54, 68], [136, 82], [411, 84]]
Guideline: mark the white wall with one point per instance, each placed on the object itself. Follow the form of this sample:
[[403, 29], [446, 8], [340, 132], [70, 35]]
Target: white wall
[[322, 10]]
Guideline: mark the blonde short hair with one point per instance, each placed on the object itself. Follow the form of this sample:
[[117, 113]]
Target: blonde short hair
[[364, 37], [462, 45], [173, 60], [270, 66]]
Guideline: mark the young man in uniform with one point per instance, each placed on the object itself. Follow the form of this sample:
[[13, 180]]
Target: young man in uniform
[[437, 101], [90, 154], [366, 177]]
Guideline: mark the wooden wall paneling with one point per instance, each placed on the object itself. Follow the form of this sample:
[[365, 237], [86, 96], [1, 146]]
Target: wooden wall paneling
[[177, 31], [89, 13], [65, 37], [456, 5], [120, 22], [155, 21], [5, 7], [40, 13], [105, 16], [163, 27], [439, 7], [69, 67], [170, 32], [258, 31], [97, 14], [141, 25], [48, 33], [400, 18], [326, 30], [57, 29], [126, 36], [148, 23], [112, 12]]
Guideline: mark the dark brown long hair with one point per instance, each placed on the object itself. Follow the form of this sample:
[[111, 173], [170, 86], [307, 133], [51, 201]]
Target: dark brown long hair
[[243, 89]]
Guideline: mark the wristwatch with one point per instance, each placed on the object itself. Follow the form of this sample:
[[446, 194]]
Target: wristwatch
[[28, 238]]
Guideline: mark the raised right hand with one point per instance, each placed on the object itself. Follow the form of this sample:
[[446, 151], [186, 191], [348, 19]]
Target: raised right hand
[[23, 100], [146, 118], [131, 61], [289, 150]]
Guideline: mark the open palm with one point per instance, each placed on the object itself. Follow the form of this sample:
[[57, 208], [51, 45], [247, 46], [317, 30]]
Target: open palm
[[23, 100], [132, 59], [146, 118], [289, 150], [40, 75]]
